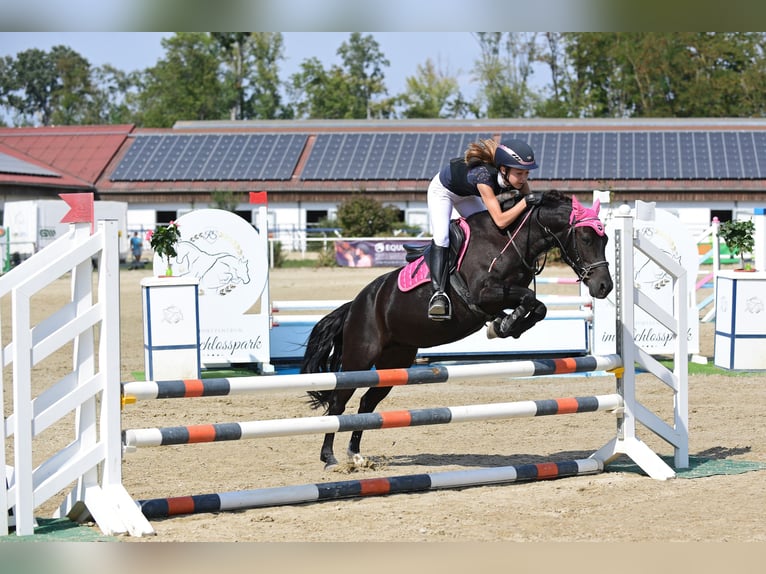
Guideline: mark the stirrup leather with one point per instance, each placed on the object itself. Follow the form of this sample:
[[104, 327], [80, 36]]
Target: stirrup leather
[[439, 307]]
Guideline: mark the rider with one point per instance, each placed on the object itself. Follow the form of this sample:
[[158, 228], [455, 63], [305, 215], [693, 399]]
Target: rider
[[470, 184]]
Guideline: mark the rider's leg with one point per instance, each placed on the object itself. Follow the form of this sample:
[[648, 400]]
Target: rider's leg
[[440, 205], [439, 307]]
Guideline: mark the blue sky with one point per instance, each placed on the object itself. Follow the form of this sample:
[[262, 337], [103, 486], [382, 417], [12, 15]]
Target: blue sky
[[453, 52]]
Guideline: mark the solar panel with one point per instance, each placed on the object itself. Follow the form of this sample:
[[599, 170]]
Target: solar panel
[[419, 168], [314, 160], [225, 156], [672, 167], [564, 156], [361, 145], [656, 156], [137, 158], [688, 165], [406, 157], [610, 155], [733, 155], [640, 155], [759, 144], [390, 156], [604, 155], [702, 155], [580, 156], [625, 155], [596, 156], [718, 155], [10, 164], [210, 157]]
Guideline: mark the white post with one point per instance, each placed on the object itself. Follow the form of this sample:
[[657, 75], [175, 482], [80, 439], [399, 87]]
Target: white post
[[626, 441], [759, 250]]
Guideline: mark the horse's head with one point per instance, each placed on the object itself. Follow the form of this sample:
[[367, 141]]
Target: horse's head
[[579, 235]]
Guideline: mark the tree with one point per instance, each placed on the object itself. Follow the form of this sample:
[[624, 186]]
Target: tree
[[72, 96], [364, 64], [251, 62], [185, 85], [429, 93], [504, 69], [656, 74], [552, 55], [319, 93], [343, 92], [30, 80], [115, 96]]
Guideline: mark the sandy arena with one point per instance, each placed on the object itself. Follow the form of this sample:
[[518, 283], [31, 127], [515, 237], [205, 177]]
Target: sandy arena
[[610, 507]]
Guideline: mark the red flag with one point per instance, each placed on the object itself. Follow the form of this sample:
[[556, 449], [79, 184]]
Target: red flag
[[258, 197], [80, 208]]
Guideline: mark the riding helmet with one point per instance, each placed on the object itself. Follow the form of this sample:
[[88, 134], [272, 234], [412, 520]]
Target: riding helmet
[[515, 153]]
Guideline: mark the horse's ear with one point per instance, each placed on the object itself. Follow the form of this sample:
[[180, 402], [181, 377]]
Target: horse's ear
[[596, 205]]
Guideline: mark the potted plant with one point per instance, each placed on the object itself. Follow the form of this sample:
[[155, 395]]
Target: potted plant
[[163, 240], [739, 237]]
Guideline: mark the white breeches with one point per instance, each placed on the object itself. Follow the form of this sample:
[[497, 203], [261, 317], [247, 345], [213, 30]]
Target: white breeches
[[441, 202]]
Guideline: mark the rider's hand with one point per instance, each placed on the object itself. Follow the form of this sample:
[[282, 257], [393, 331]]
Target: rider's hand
[[532, 199]]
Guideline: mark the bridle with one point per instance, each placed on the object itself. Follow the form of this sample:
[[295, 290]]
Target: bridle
[[589, 219], [582, 270]]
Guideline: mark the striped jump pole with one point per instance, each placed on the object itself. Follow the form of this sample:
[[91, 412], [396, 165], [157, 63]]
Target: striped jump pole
[[174, 389], [330, 304], [136, 438], [284, 495]]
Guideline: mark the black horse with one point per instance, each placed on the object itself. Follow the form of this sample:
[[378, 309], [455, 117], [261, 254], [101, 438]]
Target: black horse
[[384, 326]]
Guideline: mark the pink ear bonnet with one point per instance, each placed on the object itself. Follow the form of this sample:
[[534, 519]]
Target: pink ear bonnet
[[582, 216]]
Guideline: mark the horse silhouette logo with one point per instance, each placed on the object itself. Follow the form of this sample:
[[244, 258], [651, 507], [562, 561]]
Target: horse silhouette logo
[[216, 272]]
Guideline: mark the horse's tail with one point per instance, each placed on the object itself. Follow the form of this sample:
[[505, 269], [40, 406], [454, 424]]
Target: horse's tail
[[324, 351]]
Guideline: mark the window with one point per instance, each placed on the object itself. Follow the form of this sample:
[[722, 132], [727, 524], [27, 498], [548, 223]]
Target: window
[[721, 214], [314, 216], [165, 217]]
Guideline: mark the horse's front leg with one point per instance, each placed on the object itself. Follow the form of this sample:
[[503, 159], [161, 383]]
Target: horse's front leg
[[527, 310], [367, 404], [336, 406]]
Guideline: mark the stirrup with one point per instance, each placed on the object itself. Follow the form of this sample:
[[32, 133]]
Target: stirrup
[[439, 307]]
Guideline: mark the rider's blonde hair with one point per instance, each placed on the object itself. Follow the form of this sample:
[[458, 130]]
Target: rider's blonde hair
[[482, 151]]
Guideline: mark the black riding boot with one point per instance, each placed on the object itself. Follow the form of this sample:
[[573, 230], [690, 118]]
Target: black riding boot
[[439, 307]]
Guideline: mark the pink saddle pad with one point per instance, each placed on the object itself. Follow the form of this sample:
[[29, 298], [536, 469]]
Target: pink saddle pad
[[416, 273]]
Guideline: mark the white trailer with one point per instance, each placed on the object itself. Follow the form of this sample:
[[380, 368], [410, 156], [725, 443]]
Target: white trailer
[[33, 224]]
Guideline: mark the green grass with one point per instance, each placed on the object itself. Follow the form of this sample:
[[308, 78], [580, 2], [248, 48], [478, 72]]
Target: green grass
[[711, 369]]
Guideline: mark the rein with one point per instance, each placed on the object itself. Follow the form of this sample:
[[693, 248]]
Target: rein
[[583, 271], [510, 242]]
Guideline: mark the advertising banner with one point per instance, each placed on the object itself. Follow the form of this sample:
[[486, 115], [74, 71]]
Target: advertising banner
[[374, 253]]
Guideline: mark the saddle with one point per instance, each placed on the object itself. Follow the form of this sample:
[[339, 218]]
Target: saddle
[[416, 272]]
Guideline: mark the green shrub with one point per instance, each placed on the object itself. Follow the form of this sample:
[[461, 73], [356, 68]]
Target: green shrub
[[326, 257]]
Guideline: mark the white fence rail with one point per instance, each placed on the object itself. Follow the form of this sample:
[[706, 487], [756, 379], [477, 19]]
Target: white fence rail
[[92, 461]]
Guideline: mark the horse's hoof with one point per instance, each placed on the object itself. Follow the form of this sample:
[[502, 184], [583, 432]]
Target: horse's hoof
[[358, 460], [491, 334], [331, 465]]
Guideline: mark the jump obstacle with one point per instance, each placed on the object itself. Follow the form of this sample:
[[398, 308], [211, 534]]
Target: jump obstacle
[[288, 495], [97, 497], [565, 332]]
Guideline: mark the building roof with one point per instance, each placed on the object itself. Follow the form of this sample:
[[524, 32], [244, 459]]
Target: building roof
[[67, 157], [693, 158]]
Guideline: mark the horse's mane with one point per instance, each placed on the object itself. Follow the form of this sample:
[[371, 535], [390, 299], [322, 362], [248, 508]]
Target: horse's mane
[[507, 199]]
